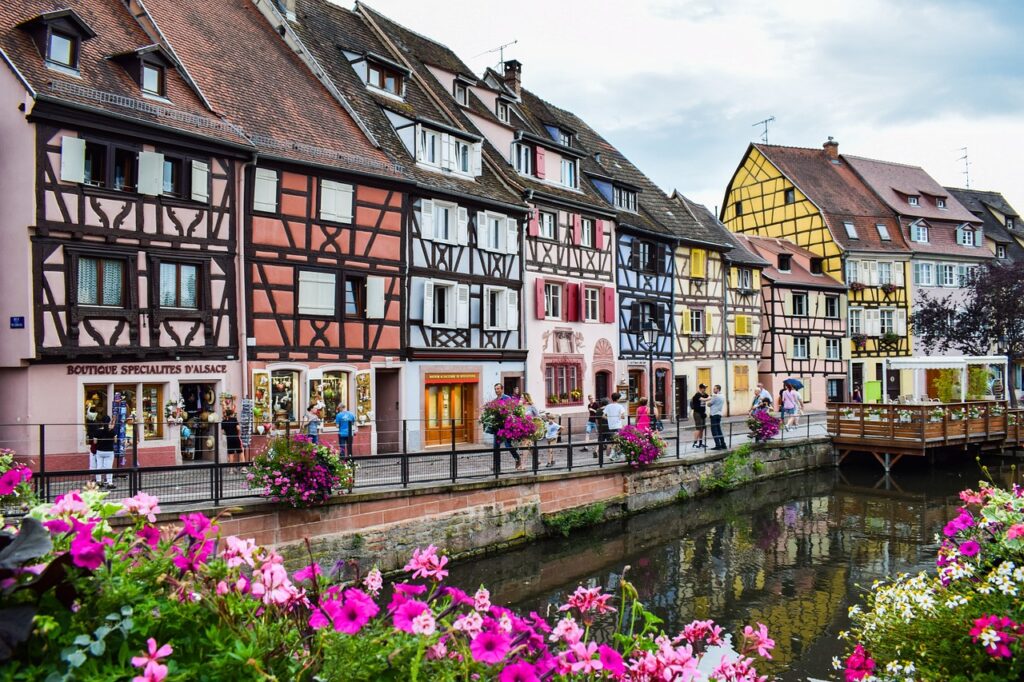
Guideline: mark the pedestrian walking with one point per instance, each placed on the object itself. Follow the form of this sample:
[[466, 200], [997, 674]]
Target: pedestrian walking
[[312, 425], [700, 414], [615, 415], [105, 439], [346, 423], [791, 405], [551, 429], [593, 410], [715, 405], [643, 415], [499, 395], [231, 435]]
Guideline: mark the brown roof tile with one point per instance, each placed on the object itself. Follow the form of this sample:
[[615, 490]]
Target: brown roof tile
[[798, 274], [888, 179]]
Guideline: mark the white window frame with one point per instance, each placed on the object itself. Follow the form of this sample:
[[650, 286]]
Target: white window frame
[[1009, 223], [461, 92], [940, 203], [886, 321], [336, 201], [697, 323], [625, 199], [1000, 251], [553, 300], [919, 233], [883, 232], [948, 275], [914, 201], [429, 141], [966, 236], [801, 348], [548, 227], [501, 294], [852, 271], [591, 304], [920, 272], [832, 299], [851, 230], [317, 293], [569, 174], [833, 349], [885, 272], [744, 279], [522, 158], [502, 111], [451, 210], [588, 229], [496, 232], [855, 320], [804, 299]]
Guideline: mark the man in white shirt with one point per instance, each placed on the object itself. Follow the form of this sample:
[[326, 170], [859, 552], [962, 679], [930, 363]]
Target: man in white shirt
[[716, 404], [615, 416]]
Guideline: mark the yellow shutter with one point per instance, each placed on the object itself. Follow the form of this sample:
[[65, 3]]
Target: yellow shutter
[[741, 378], [686, 319], [756, 279], [847, 348], [698, 262], [733, 277], [707, 322]]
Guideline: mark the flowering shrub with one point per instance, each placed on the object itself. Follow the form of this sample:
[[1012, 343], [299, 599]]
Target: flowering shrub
[[997, 410], [15, 489], [936, 414], [888, 287], [957, 414], [185, 603], [962, 621], [763, 426], [976, 411], [506, 419], [299, 472], [639, 446]]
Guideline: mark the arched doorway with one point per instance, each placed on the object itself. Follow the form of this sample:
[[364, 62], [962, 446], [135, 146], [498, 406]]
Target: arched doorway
[[602, 384]]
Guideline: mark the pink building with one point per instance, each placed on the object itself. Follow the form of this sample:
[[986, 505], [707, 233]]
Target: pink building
[[803, 329]]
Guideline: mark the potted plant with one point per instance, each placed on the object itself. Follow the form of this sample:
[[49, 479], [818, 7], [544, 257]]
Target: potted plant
[[997, 410], [640, 447], [890, 337], [859, 340], [936, 414], [889, 288], [976, 412], [858, 286], [846, 413], [576, 394], [553, 399], [957, 414], [763, 426], [904, 416], [875, 414]]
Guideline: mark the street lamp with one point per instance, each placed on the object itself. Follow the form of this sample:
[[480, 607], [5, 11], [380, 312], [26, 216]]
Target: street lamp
[[650, 339]]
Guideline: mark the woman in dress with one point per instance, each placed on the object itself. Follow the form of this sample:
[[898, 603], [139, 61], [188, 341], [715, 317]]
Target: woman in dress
[[231, 434], [643, 415]]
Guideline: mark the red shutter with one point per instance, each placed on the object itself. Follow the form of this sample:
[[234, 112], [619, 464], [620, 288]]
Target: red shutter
[[539, 299], [581, 309], [609, 304], [534, 229], [599, 235], [577, 229], [572, 302], [538, 162]]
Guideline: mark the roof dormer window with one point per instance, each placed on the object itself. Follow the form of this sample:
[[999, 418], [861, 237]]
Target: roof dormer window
[[1009, 223], [851, 230], [940, 202], [785, 262], [148, 68], [914, 200], [153, 79], [58, 36], [502, 112], [625, 199], [384, 78], [461, 93], [444, 151], [564, 138]]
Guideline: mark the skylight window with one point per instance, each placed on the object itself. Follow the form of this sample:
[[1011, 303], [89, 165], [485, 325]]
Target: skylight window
[[883, 232], [851, 230]]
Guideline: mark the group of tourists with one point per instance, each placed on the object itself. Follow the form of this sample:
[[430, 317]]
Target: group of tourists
[[605, 417], [312, 426], [706, 406]]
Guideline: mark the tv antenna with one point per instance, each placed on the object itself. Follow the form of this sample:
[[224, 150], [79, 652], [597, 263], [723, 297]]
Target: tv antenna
[[500, 49], [765, 122], [967, 167]]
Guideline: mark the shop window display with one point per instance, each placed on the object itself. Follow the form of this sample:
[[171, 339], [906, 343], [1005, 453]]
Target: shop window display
[[330, 390], [151, 409], [283, 385], [198, 437]]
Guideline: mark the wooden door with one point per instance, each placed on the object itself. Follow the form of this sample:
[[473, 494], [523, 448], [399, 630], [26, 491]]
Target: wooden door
[[388, 422], [447, 406]]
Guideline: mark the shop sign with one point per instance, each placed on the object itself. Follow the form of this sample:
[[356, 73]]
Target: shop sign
[[451, 378], [636, 363], [145, 369]]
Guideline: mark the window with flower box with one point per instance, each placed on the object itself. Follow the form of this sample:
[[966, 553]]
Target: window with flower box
[[562, 384]]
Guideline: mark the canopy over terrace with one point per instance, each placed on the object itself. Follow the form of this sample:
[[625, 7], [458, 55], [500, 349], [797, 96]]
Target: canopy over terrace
[[960, 362]]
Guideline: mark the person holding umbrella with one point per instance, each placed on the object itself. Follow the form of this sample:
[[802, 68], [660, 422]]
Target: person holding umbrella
[[792, 406]]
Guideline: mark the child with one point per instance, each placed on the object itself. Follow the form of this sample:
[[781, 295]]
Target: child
[[551, 429]]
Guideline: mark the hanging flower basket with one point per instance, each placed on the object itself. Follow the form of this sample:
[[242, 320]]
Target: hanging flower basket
[[640, 447]]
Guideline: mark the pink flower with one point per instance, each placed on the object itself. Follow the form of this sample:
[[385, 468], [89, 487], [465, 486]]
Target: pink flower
[[142, 504], [150, 660], [86, 552], [611, 660], [586, 600], [424, 624], [995, 633], [702, 630], [961, 522], [348, 614], [405, 613], [426, 564], [566, 630], [858, 665], [482, 600], [437, 651], [149, 534], [580, 658], [521, 671], [969, 548], [373, 581], [12, 478], [1015, 531], [197, 525], [490, 647], [758, 640], [237, 551], [270, 583], [307, 573], [471, 623]]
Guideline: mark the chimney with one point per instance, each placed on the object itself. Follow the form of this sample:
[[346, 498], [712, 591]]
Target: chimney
[[831, 148], [513, 76]]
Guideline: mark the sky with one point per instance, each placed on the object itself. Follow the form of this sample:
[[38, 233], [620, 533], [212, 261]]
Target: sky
[[677, 85]]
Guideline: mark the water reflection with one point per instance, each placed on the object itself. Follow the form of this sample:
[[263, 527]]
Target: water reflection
[[790, 553]]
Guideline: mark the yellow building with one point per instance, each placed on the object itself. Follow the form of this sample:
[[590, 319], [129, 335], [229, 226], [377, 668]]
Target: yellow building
[[813, 198]]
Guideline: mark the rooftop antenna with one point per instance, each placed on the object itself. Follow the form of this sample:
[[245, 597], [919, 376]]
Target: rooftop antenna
[[967, 167], [500, 49], [765, 122]]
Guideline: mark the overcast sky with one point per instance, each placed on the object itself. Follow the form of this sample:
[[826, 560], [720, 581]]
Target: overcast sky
[[677, 85]]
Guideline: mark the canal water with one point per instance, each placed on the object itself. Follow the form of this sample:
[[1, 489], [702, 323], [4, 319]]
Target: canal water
[[792, 553]]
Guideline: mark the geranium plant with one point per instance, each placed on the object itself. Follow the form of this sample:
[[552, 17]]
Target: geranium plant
[[15, 488], [185, 603], [639, 446], [295, 470], [763, 426], [506, 419], [964, 620]]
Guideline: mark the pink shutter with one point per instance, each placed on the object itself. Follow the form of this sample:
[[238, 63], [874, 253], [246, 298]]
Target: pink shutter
[[609, 304], [599, 235], [534, 229], [538, 162], [577, 229], [572, 302], [539, 298]]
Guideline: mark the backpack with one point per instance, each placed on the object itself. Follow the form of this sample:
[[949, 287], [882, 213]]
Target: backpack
[[695, 402]]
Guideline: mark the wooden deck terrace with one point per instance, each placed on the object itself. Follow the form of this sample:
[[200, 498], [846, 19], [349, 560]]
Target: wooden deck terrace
[[890, 432]]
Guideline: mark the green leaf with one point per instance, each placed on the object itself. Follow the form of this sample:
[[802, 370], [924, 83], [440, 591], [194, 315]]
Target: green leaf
[[82, 640], [76, 659], [98, 647], [102, 631], [32, 542]]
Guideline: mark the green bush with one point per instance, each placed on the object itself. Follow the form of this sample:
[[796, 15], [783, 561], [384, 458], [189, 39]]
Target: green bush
[[571, 519]]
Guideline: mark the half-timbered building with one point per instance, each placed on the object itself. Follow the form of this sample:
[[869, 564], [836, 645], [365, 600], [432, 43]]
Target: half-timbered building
[[323, 260], [570, 305], [119, 259], [463, 235], [717, 310], [803, 334], [814, 198]]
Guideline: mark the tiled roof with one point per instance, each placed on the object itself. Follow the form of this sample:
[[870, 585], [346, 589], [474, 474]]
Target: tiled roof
[[103, 84], [798, 274], [979, 203], [840, 194], [740, 253], [421, 51], [887, 179], [326, 30], [254, 79], [941, 240]]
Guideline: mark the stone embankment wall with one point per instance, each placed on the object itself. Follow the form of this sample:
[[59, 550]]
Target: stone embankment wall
[[382, 528]]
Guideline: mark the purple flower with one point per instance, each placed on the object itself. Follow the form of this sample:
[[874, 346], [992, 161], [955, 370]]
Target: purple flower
[[521, 671], [490, 647], [969, 548]]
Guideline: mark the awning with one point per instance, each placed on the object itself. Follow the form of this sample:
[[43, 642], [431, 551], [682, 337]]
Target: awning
[[949, 362]]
